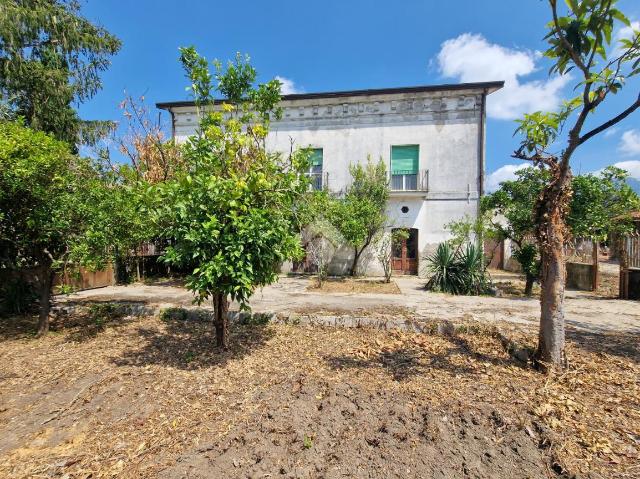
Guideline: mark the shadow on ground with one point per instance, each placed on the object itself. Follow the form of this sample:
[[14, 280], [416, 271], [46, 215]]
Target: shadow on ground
[[191, 345], [408, 361], [625, 345]]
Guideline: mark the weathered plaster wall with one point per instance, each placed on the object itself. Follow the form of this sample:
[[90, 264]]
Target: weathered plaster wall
[[446, 126]]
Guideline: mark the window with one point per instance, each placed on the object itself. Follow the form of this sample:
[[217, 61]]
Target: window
[[315, 169], [404, 167]]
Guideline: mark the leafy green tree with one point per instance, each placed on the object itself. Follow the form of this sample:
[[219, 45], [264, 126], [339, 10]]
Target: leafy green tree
[[47, 209], [231, 214], [598, 199], [50, 58], [513, 202], [579, 42], [360, 215]]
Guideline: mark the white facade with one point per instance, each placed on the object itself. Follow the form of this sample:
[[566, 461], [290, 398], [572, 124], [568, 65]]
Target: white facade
[[446, 122]]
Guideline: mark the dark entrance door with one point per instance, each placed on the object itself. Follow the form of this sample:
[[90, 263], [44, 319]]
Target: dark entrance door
[[405, 254]]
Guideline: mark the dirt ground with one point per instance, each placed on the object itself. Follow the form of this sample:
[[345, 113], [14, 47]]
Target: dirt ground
[[145, 398], [349, 285]]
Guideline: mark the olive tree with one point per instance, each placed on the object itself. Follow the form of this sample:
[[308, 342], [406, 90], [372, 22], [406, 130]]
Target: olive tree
[[230, 215], [579, 41], [360, 215]]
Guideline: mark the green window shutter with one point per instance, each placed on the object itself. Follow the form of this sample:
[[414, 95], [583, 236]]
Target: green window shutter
[[404, 160], [316, 157]]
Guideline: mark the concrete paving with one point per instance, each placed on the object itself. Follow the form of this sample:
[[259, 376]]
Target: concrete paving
[[584, 311]]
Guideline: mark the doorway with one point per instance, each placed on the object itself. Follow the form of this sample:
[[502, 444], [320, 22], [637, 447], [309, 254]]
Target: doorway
[[405, 253]]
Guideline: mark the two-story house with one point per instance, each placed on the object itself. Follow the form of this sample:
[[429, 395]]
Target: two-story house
[[431, 138]]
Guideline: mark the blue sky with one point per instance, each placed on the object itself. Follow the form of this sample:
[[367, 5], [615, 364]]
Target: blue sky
[[351, 44]]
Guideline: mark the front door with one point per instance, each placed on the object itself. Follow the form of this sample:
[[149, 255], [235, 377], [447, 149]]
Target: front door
[[405, 253]]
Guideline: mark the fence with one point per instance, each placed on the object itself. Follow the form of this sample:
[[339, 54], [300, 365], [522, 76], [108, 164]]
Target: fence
[[630, 267]]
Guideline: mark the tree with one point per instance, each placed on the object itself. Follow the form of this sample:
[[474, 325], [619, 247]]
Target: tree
[[513, 204], [230, 215], [598, 199], [152, 157], [50, 58], [384, 249], [46, 208], [360, 215], [580, 41]]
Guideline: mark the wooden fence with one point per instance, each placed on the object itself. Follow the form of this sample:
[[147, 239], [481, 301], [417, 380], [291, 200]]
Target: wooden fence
[[630, 267]]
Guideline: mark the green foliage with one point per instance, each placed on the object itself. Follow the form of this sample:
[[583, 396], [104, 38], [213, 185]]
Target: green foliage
[[173, 314], [597, 200], [38, 197], [361, 214], [102, 313], [472, 230], [231, 214], [457, 271], [529, 258], [17, 296], [50, 58]]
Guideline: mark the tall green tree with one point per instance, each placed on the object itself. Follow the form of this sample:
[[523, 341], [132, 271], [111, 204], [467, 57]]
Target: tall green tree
[[50, 58], [360, 216], [580, 41], [52, 209], [597, 199], [513, 202], [231, 213]]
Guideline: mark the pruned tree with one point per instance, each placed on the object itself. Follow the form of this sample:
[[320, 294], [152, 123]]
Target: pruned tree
[[384, 249], [50, 58], [153, 158], [360, 215], [320, 240], [230, 214], [580, 41]]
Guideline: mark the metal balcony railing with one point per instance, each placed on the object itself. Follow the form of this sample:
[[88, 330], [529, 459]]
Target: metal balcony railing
[[410, 180], [319, 180]]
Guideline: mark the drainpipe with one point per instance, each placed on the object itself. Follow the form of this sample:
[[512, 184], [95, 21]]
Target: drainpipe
[[481, 147]]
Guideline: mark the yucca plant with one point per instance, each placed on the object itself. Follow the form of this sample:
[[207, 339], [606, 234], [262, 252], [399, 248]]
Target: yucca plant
[[457, 271]]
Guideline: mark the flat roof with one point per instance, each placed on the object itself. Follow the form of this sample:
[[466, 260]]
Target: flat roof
[[489, 86]]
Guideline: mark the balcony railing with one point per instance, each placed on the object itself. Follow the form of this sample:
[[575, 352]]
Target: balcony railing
[[410, 181], [319, 180]]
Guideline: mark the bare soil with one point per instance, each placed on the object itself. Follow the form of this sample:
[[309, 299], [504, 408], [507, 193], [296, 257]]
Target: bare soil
[[145, 398], [351, 285]]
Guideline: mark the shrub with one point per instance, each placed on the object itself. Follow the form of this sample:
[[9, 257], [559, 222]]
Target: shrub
[[457, 271], [171, 314]]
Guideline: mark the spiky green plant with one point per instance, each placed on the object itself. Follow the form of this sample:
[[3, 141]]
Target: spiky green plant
[[457, 271]]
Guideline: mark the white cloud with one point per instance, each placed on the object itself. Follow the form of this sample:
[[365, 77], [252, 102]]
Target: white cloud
[[630, 143], [632, 167], [471, 58], [609, 132], [627, 32], [288, 86], [504, 173]]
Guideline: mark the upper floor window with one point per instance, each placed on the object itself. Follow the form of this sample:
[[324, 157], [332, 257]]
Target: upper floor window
[[404, 167], [315, 169]]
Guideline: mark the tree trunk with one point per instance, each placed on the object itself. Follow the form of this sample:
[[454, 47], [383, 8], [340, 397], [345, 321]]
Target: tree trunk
[[528, 287], [551, 227], [221, 321], [354, 265], [45, 280]]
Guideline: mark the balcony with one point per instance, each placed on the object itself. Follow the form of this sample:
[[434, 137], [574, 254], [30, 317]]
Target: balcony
[[409, 181], [319, 180]]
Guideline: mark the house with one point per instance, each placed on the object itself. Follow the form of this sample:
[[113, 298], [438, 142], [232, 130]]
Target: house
[[431, 138]]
